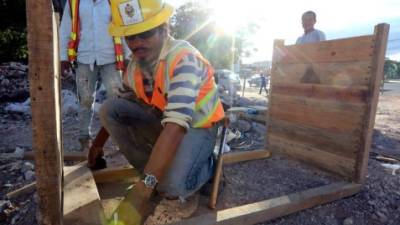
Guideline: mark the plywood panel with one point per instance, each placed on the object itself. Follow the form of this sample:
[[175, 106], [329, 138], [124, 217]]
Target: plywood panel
[[340, 144], [336, 164], [347, 74], [350, 49]]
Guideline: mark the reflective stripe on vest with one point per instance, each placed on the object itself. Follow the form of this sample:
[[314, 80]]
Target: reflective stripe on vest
[[164, 73], [74, 38]]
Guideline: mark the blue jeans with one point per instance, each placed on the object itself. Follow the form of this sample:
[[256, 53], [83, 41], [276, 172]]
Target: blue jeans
[[135, 129], [86, 80]]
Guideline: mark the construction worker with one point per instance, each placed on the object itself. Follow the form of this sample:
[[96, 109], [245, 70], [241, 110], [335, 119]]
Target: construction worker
[[165, 122], [311, 34], [88, 48]]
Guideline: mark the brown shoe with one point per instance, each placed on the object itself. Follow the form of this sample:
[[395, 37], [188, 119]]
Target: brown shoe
[[171, 211]]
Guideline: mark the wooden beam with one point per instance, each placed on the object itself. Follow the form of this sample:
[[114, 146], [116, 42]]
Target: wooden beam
[[68, 156], [23, 190], [339, 50], [273, 208], [234, 157], [81, 200], [125, 174], [44, 86], [378, 61]]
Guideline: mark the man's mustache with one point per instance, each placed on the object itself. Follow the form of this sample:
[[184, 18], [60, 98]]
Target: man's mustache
[[140, 48]]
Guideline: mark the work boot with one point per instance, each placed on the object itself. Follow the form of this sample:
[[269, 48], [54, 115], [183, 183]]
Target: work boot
[[171, 211]]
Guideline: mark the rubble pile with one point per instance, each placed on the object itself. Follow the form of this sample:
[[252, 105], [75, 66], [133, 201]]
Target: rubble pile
[[14, 85]]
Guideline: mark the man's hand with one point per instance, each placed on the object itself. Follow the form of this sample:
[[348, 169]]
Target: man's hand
[[135, 208], [65, 68]]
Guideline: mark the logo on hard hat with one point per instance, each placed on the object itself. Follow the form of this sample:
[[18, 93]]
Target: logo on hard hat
[[129, 10]]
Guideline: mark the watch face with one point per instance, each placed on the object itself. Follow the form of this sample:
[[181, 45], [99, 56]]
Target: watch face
[[150, 181]]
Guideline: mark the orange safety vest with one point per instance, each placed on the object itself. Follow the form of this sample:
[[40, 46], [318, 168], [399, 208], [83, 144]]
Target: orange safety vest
[[74, 38], [165, 71]]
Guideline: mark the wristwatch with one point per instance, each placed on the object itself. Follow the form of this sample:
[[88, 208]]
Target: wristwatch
[[149, 180]]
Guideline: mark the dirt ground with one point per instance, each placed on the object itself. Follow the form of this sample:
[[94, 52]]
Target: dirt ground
[[377, 203]]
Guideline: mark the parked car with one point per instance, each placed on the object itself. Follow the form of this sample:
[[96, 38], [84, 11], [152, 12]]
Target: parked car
[[226, 79]]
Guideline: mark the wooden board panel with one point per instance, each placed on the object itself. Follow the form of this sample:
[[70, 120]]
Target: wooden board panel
[[336, 164], [323, 92], [44, 87], [331, 119], [340, 144], [342, 50], [347, 74], [272, 208], [81, 200], [334, 105]]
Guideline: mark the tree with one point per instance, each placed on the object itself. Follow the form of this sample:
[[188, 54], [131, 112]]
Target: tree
[[391, 69], [192, 22], [12, 30]]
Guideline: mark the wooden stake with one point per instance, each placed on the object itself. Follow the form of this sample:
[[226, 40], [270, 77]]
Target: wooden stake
[[44, 85], [378, 61]]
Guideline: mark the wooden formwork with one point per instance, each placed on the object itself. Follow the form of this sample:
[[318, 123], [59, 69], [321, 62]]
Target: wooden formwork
[[322, 110]]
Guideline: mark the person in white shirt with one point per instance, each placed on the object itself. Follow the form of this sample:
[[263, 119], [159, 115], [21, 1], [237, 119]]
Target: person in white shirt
[[311, 34], [95, 58]]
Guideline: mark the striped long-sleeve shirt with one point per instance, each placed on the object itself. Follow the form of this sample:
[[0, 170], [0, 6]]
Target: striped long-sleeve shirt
[[183, 90], [182, 86]]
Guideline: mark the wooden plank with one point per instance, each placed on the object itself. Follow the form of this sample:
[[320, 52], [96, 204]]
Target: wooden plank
[[111, 195], [234, 157], [340, 144], [332, 105], [316, 117], [23, 190], [44, 86], [381, 36], [340, 50], [81, 200], [336, 164], [347, 74], [323, 92], [124, 174], [273, 208], [69, 156]]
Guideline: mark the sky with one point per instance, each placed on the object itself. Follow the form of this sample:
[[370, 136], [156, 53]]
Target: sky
[[281, 19]]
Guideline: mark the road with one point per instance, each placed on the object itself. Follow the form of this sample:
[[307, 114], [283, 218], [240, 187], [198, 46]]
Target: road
[[392, 87]]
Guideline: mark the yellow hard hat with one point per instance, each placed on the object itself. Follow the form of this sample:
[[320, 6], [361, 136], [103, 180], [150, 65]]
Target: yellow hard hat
[[131, 17]]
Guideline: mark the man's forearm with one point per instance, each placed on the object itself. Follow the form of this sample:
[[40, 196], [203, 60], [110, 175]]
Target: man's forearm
[[164, 150]]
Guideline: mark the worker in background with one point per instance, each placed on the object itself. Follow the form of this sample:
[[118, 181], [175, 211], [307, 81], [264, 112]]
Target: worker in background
[[263, 83], [311, 34], [165, 122], [87, 48]]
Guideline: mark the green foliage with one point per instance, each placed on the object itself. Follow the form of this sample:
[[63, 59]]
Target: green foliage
[[13, 45], [192, 22], [391, 69], [13, 30]]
